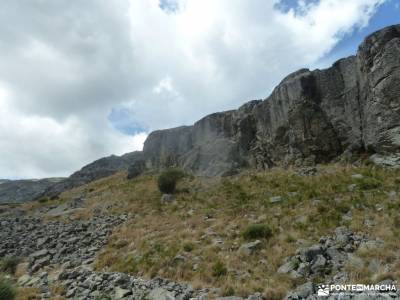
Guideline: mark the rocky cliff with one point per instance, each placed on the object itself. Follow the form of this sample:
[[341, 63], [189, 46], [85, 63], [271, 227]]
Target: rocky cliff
[[311, 117]]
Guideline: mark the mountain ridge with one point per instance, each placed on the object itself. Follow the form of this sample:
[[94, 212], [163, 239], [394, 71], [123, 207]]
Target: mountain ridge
[[311, 117]]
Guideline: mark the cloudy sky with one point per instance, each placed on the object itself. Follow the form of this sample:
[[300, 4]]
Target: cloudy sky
[[84, 79]]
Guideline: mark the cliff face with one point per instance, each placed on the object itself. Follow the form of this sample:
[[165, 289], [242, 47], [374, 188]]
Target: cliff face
[[310, 117]]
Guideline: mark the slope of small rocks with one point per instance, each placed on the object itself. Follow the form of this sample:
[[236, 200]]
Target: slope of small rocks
[[327, 260], [61, 253]]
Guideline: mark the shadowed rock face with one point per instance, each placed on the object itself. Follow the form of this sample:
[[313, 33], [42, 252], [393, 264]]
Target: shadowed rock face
[[310, 117]]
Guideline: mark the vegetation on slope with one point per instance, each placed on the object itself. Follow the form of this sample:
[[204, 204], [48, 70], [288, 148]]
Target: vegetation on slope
[[197, 237]]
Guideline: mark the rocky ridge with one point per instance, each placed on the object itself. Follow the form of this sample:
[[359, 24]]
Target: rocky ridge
[[311, 117]]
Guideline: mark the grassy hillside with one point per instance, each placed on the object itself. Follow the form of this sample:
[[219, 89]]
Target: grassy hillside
[[197, 238]]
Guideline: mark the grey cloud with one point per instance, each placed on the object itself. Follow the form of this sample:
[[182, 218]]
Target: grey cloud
[[62, 57]]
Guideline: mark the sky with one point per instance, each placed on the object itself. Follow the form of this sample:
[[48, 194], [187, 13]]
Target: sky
[[84, 79]]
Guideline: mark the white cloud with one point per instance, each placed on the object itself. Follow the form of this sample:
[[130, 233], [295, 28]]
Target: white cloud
[[65, 66], [219, 54], [36, 146]]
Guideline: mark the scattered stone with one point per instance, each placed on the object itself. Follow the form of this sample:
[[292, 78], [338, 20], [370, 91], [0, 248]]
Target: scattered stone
[[121, 293], [352, 187], [73, 242], [287, 267], [307, 171], [179, 259], [24, 279], [39, 254], [347, 216], [167, 198], [389, 160], [275, 199], [160, 294], [250, 248], [318, 264], [302, 292], [329, 255], [357, 176], [369, 222]]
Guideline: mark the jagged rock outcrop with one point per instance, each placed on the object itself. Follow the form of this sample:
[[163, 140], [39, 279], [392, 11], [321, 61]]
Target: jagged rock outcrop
[[310, 117], [18, 191], [100, 168]]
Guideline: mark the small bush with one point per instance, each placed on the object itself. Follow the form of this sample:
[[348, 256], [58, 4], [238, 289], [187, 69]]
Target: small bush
[[103, 297], [188, 247], [368, 183], [7, 290], [257, 231], [168, 179], [396, 221], [43, 200], [219, 269], [228, 291], [9, 264]]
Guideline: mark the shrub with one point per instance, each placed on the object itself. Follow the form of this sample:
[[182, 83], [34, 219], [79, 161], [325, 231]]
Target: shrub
[[168, 179], [7, 290], [396, 221], [188, 247], [228, 291], [257, 231], [103, 297], [219, 269], [43, 200], [9, 263], [368, 183]]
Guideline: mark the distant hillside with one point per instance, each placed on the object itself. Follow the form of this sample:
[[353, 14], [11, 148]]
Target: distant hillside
[[17, 191], [100, 168]]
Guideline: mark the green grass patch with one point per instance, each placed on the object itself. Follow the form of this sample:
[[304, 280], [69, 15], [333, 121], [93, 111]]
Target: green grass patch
[[7, 289], [257, 231]]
